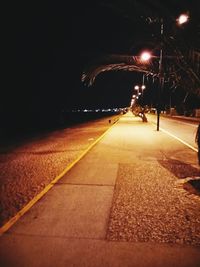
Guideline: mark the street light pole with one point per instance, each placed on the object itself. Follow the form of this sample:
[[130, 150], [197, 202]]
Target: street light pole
[[160, 76], [182, 19]]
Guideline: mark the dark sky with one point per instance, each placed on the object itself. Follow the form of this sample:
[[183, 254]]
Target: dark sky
[[49, 45]]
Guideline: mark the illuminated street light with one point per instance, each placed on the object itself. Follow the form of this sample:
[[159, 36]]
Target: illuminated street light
[[145, 56], [139, 89], [183, 18]]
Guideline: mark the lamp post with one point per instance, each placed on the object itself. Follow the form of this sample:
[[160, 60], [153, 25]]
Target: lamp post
[[140, 89], [143, 87], [146, 56], [183, 18], [160, 74]]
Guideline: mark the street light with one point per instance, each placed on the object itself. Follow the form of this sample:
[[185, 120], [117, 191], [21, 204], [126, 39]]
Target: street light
[[138, 88], [145, 56], [183, 18]]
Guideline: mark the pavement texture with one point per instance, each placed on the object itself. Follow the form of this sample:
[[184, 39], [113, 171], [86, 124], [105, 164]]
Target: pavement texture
[[123, 204], [147, 208], [27, 166]]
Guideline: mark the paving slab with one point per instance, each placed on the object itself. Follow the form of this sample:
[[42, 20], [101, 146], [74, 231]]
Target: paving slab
[[91, 172], [69, 211], [50, 251]]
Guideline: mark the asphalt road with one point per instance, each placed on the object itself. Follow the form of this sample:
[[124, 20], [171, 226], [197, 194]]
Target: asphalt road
[[185, 130], [122, 204]]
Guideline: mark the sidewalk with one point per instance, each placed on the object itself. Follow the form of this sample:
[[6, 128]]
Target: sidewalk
[[123, 204]]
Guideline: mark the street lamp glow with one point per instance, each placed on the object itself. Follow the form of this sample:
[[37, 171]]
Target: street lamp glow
[[183, 18], [136, 87], [145, 56], [143, 87]]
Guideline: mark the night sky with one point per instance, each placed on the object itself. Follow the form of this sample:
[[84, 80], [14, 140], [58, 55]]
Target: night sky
[[49, 45]]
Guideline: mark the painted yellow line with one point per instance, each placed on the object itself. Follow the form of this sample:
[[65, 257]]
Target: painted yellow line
[[20, 213], [180, 140]]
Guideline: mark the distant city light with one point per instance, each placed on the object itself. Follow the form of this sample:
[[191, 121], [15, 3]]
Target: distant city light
[[113, 109], [136, 87]]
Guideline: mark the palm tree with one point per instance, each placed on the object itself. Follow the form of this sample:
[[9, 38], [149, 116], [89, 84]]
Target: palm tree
[[176, 67]]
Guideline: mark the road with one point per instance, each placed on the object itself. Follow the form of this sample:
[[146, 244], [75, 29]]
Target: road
[[185, 130], [124, 203]]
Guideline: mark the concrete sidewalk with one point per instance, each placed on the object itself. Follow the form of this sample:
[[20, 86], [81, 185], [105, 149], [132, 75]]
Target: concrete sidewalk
[[123, 204]]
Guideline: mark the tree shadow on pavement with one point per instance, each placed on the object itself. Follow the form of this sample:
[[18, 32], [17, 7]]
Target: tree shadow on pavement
[[179, 169], [183, 170]]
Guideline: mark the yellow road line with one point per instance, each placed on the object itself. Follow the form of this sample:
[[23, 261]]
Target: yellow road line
[[180, 140], [20, 213]]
